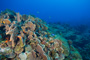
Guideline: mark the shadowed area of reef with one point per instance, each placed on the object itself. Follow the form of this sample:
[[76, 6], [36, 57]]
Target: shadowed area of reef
[[79, 36]]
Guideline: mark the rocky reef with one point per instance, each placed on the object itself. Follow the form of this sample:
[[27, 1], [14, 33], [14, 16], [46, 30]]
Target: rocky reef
[[78, 36], [24, 37]]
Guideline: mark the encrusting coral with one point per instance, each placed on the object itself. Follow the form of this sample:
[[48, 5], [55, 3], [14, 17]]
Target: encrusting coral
[[28, 38]]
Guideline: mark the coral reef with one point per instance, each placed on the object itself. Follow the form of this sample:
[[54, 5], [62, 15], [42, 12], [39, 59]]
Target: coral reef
[[78, 36], [24, 37]]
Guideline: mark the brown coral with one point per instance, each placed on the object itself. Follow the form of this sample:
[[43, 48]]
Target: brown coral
[[18, 17], [40, 50], [31, 25], [24, 17], [18, 49]]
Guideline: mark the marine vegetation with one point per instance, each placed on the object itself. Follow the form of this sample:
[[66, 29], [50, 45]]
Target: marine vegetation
[[24, 37]]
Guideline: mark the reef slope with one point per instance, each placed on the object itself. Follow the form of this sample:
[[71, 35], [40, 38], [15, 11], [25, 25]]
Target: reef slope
[[24, 37]]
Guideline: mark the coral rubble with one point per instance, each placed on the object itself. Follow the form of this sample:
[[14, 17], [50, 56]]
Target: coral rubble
[[24, 37]]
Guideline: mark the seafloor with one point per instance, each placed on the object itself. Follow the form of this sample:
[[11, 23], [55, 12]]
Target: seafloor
[[25, 37], [78, 35]]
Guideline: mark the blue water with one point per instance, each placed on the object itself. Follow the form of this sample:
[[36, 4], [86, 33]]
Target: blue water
[[73, 12]]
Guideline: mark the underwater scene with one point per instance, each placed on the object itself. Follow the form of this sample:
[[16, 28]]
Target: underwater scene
[[44, 29]]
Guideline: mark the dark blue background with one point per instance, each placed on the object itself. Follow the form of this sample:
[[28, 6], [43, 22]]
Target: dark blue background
[[73, 12]]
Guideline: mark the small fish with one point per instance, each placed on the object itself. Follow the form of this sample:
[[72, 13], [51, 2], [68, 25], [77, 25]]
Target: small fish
[[53, 34], [2, 21]]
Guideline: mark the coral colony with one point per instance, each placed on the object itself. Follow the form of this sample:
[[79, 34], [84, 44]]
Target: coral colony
[[24, 37]]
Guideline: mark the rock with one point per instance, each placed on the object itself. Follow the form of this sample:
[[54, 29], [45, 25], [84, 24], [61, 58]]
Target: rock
[[23, 56]]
